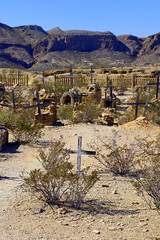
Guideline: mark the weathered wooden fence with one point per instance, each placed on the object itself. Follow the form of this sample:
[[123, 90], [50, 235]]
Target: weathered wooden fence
[[130, 80], [143, 80], [118, 80], [11, 79], [71, 80]]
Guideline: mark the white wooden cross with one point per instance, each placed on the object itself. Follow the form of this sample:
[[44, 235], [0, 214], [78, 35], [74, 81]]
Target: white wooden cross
[[81, 152]]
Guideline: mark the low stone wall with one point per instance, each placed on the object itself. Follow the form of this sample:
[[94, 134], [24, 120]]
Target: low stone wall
[[3, 137]]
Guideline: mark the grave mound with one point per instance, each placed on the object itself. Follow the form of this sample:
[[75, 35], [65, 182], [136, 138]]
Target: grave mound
[[141, 123]]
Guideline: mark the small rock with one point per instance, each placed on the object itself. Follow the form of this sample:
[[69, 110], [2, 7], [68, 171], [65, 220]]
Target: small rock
[[41, 210], [112, 228], [65, 224], [62, 210], [142, 224], [96, 231], [115, 191], [101, 221], [105, 185], [135, 203], [145, 230]]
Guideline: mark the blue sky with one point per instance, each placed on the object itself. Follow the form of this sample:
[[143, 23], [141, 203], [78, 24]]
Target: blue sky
[[137, 17]]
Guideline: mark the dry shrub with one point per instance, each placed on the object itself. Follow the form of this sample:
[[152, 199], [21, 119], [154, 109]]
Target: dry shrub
[[58, 182], [147, 183], [116, 159]]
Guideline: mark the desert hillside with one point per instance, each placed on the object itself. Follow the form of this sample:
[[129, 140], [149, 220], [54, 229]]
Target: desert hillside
[[30, 47]]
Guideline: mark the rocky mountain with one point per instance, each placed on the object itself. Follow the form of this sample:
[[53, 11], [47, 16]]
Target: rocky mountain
[[33, 48]]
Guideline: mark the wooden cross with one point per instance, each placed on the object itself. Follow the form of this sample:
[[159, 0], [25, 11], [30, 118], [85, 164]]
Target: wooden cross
[[38, 105], [13, 100], [146, 105], [157, 86], [81, 152], [137, 104], [71, 76], [110, 99], [13, 97]]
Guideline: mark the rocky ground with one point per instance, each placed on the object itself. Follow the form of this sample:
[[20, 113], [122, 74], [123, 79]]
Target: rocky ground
[[115, 211]]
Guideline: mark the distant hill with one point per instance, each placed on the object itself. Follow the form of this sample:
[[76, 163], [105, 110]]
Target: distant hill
[[31, 47]]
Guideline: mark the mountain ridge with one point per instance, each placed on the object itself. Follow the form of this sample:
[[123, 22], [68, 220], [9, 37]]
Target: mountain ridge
[[31, 47]]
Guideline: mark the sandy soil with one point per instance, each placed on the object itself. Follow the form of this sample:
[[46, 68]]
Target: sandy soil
[[117, 213]]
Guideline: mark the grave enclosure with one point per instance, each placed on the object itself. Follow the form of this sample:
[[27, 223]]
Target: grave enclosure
[[46, 106], [14, 77]]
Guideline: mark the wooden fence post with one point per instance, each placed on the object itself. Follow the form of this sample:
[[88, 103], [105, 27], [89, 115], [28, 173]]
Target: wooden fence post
[[38, 105]]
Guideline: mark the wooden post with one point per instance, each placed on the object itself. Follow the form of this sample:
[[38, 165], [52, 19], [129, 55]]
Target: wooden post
[[91, 80], [157, 87], [43, 84], [79, 153], [27, 80], [18, 78], [146, 104], [38, 105], [133, 80], [71, 77], [13, 100], [137, 103]]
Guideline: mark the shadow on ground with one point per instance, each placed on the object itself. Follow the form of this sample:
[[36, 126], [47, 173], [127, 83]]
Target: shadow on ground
[[11, 147]]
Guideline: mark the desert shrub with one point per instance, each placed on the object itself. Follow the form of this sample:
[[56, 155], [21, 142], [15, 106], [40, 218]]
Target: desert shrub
[[147, 183], [37, 84], [154, 114], [118, 159], [58, 182], [80, 184], [21, 124], [20, 94], [56, 88], [83, 112], [65, 112], [86, 111]]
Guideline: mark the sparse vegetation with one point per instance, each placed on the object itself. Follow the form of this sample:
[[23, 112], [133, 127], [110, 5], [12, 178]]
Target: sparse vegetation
[[65, 112], [55, 88], [21, 124], [116, 159], [87, 112], [83, 112], [58, 182], [147, 183]]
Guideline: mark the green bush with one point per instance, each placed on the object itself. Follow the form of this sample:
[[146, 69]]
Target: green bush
[[58, 182], [55, 88], [65, 112], [21, 124], [86, 111]]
